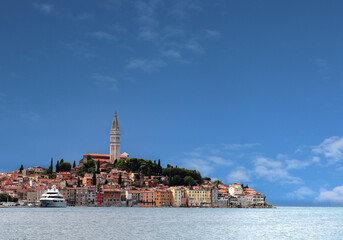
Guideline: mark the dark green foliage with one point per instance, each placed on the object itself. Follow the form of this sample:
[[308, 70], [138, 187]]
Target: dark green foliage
[[61, 161], [189, 181], [87, 167], [52, 166], [74, 164], [58, 166], [151, 168], [98, 167], [139, 165], [206, 178], [120, 181], [4, 197], [217, 182], [79, 182], [21, 168], [52, 176], [94, 179], [177, 176], [65, 167]]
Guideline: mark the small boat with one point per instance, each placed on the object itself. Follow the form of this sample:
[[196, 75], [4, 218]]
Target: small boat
[[52, 198]]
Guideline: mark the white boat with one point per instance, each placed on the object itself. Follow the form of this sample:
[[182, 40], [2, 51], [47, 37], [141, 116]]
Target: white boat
[[52, 198]]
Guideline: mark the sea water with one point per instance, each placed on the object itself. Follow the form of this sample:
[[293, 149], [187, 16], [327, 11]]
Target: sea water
[[171, 223]]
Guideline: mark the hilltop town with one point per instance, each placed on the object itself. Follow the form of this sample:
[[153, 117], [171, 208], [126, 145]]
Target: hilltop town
[[116, 180]]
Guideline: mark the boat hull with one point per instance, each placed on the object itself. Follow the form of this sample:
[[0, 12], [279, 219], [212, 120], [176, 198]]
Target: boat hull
[[55, 204]]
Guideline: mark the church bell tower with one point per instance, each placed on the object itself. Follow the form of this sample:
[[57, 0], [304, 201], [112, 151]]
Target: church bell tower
[[114, 140]]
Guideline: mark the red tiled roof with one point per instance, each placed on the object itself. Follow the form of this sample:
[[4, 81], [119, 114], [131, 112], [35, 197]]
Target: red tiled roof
[[97, 154]]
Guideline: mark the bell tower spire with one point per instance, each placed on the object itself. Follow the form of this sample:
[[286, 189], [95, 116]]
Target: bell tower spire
[[114, 140]]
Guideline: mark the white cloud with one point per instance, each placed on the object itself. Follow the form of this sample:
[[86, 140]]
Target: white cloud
[[201, 165], [331, 148], [302, 193], [146, 65], [44, 8], [239, 146], [238, 175], [172, 54], [219, 160], [83, 17], [334, 197], [296, 164], [212, 34], [274, 171], [101, 35], [107, 82], [194, 47], [147, 20]]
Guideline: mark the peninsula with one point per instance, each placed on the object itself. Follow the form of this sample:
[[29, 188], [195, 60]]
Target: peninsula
[[117, 180]]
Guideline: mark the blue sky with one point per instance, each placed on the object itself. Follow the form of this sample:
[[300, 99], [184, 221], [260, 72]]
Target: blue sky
[[243, 91]]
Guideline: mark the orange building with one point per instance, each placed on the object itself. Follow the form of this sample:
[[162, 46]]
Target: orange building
[[147, 198], [163, 198]]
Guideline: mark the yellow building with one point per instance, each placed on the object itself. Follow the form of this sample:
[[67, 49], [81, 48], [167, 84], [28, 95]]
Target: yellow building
[[163, 197], [198, 197], [177, 195]]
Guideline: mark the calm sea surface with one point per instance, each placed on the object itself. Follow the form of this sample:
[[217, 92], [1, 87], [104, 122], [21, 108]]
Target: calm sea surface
[[171, 223]]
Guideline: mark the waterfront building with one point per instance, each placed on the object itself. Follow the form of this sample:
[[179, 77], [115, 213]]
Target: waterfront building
[[112, 196], [147, 198], [198, 197], [163, 198], [236, 189], [178, 194]]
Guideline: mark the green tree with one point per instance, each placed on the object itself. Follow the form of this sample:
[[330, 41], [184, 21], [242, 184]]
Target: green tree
[[159, 167], [52, 166], [98, 167], [119, 179], [78, 182], [61, 161], [94, 179], [58, 166], [189, 181], [65, 167], [217, 182], [21, 168], [74, 164]]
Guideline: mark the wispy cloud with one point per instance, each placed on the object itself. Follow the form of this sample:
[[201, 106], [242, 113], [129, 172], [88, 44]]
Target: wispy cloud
[[302, 193], [79, 49], [240, 146], [331, 149], [335, 196], [101, 35], [45, 8], [274, 171], [322, 68], [172, 54], [147, 20], [194, 46], [147, 65], [201, 165], [83, 17], [212, 33], [184, 8], [239, 175], [104, 81]]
